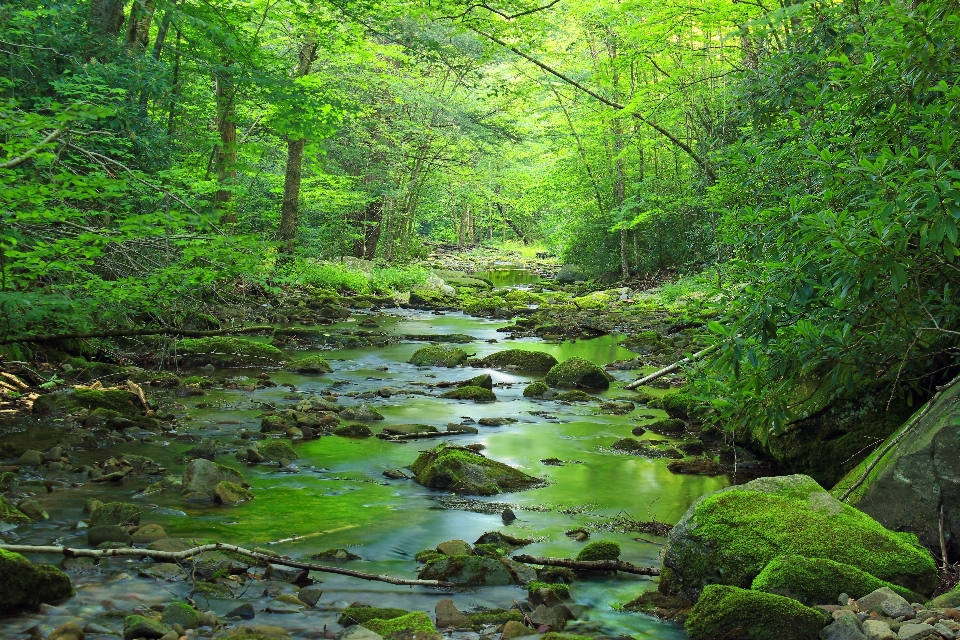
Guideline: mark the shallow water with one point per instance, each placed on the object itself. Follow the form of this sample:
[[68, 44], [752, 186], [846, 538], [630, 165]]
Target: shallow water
[[341, 499]]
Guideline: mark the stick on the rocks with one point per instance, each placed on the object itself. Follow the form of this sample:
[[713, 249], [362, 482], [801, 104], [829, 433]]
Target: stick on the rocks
[[671, 368], [175, 556], [590, 565]]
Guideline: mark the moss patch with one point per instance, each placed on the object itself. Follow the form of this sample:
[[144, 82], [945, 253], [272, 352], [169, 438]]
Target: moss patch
[[438, 357], [519, 359], [573, 396], [494, 616], [478, 394], [359, 615], [310, 364], [24, 585], [274, 450], [577, 373], [758, 615], [10, 514], [819, 581], [599, 550], [559, 589], [225, 351], [414, 624], [467, 472], [536, 389]]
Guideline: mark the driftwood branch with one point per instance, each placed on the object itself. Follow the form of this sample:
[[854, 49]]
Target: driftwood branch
[[590, 565], [671, 368], [125, 333], [177, 556], [896, 439], [419, 436]]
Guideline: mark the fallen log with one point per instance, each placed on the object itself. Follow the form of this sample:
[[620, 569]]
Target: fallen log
[[130, 333], [670, 369], [176, 556], [590, 565]]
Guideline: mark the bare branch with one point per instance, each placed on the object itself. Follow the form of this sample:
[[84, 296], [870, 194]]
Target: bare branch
[[15, 162]]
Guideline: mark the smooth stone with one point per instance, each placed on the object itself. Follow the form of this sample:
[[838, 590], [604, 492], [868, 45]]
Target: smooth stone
[[555, 617], [878, 630], [278, 605], [449, 616], [100, 630], [260, 632], [139, 627], [180, 613], [455, 548], [356, 632], [209, 619], [170, 635], [911, 631], [30, 458], [69, 631], [287, 574], [149, 533], [108, 533], [514, 629], [874, 599], [944, 631], [310, 595], [897, 608], [244, 612], [846, 627]]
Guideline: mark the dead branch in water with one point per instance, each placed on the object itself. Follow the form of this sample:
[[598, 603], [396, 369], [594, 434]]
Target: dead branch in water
[[590, 565], [176, 556]]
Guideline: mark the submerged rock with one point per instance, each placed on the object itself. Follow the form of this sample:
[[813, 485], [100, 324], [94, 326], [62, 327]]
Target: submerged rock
[[438, 357], [478, 394], [518, 359], [577, 373], [730, 536], [696, 466], [201, 477], [408, 429], [353, 431], [24, 585], [468, 472]]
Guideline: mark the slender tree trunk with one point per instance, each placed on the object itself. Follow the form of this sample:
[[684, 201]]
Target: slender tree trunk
[[227, 152], [138, 27], [175, 90], [290, 208], [162, 32], [619, 179]]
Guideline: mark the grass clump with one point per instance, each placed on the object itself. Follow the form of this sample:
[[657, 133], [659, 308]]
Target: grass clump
[[599, 550], [758, 615]]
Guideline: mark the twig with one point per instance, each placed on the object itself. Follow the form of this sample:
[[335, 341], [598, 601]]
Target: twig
[[673, 367], [896, 440], [590, 565], [174, 556]]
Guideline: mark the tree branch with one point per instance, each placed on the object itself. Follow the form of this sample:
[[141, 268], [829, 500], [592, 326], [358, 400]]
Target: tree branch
[[590, 565], [15, 162], [175, 556]]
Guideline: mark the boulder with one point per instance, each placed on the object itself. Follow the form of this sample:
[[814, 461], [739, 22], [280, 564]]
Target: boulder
[[310, 365], [845, 627], [514, 629], [467, 571], [484, 380], [24, 585], [906, 488], [468, 472], [182, 614], [356, 632], [69, 631], [449, 616], [600, 550], [517, 359], [538, 389], [408, 429], [477, 394], [353, 431], [455, 548], [149, 533], [10, 514], [229, 493], [758, 615], [438, 357], [115, 513], [108, 533], [30, 458], [415, 625], [276, 450], [577, 373], [729, 537], [135, 627], [201, 477], [363, 412], [617, 408], [228, 351]]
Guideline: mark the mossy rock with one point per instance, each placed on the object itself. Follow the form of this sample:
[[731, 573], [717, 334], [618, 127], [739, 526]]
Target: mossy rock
[[599, 550], [231, 493], [120, 401], [182, 614], [519, 359], [556, 635], [310, 365], [414, 625], [667, 426], [559, 589], [435, 356], [484, 380], [468, 472], [427, 556], [335, 554], [645, 449], [353, 431], [503, 541], [660, 605], [679, 405], [450, 338], [757, 615], [10, 514], [467, 570], [698, 466], [275, 450], [577, 373], [573, 396], [494, 616], [477, 394], [115, 513], [24, 585], [359, 615], [225, 351], [537, 389], [815, 581], [729, 536]]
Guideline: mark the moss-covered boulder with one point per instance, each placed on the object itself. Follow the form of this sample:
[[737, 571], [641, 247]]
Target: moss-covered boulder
[[538, 389], [182, 614], [120, 401], [115, 513], [276, 450], [468, 472], [477, 394], [353, 431], [729, 537], [815, 581], [435, 356], [577, 373], [600, 550], [229, 493], [226, 351], [517, 359], [484, 380], [646, 449], [24, 585], [467, 570], [10, 514], [415, 625], [201, 477], [408, 429], [573, 396], [757, 615], [360, 614], [136, 627], [310, 365]]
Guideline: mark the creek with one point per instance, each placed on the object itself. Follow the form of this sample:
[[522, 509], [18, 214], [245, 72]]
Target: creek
[[339, 497]]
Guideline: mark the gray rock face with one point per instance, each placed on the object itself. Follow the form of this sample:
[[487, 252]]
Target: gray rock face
[[873, 600], [556, 616], [912, 631], [896, 608], [843, 628], [363, 412], [449, 616], [467, 570], [201, 477], [878, 630], [916, 477]]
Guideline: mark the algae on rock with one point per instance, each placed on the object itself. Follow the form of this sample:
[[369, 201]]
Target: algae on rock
[[467, 472], [758, 615], [576, 373], [438, 357]]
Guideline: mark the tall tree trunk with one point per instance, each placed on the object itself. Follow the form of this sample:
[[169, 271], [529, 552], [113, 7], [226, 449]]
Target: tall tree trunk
[[138, 28], [619, 179], [162, 32], [227, 151], [290, 209], [106, 17], [175, 90]]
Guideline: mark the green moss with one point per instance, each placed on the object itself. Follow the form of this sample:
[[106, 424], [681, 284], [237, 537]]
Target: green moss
[[24, 585], [428, 555], [730, 536], [478, 394], [335, 554], [435, 356], [414, 624], [559, 589], [535, 389], [489, 551], [553, 635], [819, 581], [758, 615], [274, 450], [310, 364], [666, 426], [118, 400], [520, 359], [524, 297], [467, 472], [353, 431], [225, 351], [573, 396], [658, 604], [201, 381], [645, 449], [359, 615], [577, 373], [484, 380], [115, 513], [10, 514], [599, 550], [503, 540], [678, 405], [494, 616]]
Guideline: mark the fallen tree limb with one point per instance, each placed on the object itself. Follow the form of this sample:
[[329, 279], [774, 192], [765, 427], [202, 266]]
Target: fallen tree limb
[[590, 565], [176, 556], [671, 368], [125, 333], [418, 436], [896, 439]]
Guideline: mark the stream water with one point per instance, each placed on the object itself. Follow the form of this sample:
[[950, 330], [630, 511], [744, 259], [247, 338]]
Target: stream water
[[340, 498]]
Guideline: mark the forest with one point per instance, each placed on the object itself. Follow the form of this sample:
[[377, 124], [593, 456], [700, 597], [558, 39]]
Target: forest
[[667, 269]]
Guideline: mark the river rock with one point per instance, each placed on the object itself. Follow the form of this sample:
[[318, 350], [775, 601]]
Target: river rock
[[455, 548], [292, 575], [877, 630], [577, 373], [730, 535], [468, 472], [897, 607], [310, 595], [435, 356], [115, 513], [259, 632], [32, 509], [617, 408], [149, 533], [69, 631], [518, 360], [30, 458], [556, 617], [914, 478], [514, 629], [723, 608], [108, 533], [363, 412], [201, 477], [243, 612], [522, 573], [182, 614], [310, 365], [449, 616], [229, 493], [356, 632], [229, 351], [874, 600], [408, 429], [843, 628], [135, 627], [467, 570], [913, 631], [814, 581]]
